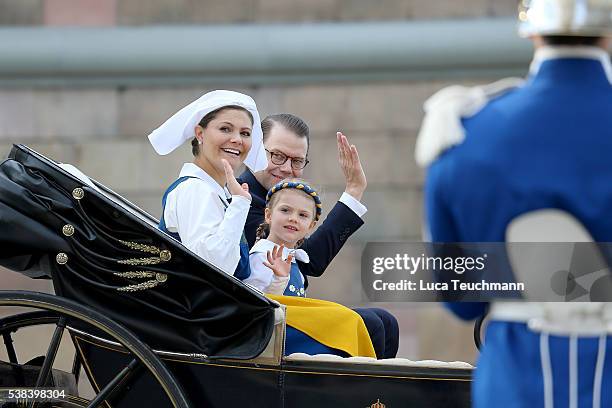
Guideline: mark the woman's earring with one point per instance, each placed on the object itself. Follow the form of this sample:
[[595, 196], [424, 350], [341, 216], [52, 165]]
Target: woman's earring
[[199, 142]]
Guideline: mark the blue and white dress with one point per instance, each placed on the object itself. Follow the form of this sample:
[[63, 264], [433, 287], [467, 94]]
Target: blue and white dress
[[265, 280], [208, 220]]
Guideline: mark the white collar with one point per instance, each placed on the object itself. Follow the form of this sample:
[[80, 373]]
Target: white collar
[[265, 245], [193, 170], [547, 53]]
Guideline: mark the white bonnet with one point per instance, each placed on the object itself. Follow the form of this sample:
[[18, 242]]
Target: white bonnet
[[180, 127]]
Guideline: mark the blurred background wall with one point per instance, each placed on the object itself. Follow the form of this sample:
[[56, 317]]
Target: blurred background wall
[[98, 120]]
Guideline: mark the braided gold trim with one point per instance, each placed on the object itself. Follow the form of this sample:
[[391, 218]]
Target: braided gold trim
[[135, 274], [162, 255], [140, 286], [159, 278], [152, 249], [140, 261]]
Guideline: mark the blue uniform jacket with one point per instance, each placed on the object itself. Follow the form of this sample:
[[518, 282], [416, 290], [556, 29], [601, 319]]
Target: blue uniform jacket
[[544, 145]]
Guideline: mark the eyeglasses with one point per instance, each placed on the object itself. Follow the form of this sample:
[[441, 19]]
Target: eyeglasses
[[297, 163]]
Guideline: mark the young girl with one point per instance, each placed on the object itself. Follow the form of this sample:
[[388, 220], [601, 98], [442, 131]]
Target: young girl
[[292, 210]]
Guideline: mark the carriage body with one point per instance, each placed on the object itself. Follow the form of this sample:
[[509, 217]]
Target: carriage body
[[131, 296]]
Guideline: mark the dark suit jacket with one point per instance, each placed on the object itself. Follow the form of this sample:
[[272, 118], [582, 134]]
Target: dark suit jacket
[[323, 244]]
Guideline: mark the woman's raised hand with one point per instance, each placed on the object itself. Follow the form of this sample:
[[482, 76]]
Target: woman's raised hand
[[275, 262], [232, 184]]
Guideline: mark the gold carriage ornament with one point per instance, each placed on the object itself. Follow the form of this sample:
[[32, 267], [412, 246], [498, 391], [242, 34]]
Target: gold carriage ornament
[[163, 255], [377, 404], [155, 278]]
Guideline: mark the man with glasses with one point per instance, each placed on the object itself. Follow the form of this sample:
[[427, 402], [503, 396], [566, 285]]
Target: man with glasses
[[286, 139], [278, 158]]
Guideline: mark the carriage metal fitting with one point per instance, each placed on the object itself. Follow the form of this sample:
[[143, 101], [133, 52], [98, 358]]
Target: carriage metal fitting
[[78, 193], [61, 258], [165, 255], [378, 404], [68, 230], [198, 356]]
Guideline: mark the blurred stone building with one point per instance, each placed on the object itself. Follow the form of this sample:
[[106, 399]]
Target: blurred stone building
[[99, 122]]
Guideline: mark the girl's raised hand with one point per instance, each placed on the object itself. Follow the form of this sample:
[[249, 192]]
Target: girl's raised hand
[[232, 184], [275, 262]]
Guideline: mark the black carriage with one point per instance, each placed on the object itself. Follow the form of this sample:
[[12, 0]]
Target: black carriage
[[155, 325]]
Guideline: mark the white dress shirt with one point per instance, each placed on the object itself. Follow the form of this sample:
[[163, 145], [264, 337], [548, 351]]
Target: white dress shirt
[[195, 210], [261, 276], [355, 205]]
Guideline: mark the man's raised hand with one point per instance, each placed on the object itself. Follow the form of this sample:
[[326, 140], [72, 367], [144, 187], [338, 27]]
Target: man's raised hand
[[348, 157]]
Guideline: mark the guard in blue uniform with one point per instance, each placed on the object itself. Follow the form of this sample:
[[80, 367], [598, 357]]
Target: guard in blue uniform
[[497, 152]]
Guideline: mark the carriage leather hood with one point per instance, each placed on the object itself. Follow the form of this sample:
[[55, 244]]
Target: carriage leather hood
[[102, 251]]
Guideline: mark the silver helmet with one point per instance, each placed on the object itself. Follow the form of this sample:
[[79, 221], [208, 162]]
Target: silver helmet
[[565, 17]]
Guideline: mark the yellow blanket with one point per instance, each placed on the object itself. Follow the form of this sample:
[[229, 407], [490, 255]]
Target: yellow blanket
[[329, 323]]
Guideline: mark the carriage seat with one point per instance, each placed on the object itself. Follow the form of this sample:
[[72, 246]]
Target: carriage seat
[[397, 362]]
